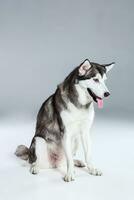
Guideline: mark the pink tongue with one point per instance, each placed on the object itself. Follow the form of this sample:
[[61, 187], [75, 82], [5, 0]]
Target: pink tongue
[[100, 103]]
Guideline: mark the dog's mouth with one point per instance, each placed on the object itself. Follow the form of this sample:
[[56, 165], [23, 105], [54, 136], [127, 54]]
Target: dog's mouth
[[97, 99]]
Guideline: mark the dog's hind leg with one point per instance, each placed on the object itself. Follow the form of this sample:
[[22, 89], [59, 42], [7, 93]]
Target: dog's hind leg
[[38, 156]]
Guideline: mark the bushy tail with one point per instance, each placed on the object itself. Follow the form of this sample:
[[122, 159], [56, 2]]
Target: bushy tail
[[22, 152]]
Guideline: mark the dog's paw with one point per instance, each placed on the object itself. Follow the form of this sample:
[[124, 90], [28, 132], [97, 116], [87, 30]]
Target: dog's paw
[[34, 169], [68, 178], [94, 171]]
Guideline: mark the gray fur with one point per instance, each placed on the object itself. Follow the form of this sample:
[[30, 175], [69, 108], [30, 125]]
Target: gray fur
[[22, 152], [49, 123]]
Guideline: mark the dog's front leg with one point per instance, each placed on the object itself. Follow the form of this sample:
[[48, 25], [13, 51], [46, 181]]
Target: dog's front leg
[[69, 158], [86, 142]]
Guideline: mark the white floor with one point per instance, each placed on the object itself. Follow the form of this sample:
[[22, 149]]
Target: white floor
[[113, 153]]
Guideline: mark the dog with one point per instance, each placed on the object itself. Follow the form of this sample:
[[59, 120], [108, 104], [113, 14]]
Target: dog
[[65, 119]]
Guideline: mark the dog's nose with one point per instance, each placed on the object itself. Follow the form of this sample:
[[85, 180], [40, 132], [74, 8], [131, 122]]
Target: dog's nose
[[106, 94]]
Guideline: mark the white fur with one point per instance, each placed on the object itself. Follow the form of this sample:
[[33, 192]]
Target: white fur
[[99, 88], [109, 67], [43, 151], [42, 156], [77, 123]]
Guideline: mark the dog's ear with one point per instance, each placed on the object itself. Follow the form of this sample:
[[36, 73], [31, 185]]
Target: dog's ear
[[84, 67], [109, 66]]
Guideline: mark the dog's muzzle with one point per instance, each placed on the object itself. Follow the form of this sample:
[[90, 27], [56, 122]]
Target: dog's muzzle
[[97, 99]]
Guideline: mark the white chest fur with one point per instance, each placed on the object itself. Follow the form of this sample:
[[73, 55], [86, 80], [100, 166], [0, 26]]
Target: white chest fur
[[75, 119], [74, 114]]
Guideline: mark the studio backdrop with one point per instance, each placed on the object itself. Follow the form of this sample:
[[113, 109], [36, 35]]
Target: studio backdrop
[[42, 41]]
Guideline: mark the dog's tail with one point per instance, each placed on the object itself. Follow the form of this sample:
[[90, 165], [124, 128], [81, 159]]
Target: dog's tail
[[22, 152]]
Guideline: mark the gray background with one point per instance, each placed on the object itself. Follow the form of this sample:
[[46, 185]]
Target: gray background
[[42, 41]]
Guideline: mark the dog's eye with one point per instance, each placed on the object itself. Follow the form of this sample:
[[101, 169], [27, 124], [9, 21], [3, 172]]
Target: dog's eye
[[96, 80]]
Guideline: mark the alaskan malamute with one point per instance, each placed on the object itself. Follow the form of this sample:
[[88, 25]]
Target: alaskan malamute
[[65, 118]]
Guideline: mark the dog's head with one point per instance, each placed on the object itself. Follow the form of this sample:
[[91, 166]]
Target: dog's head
[[92, 77]]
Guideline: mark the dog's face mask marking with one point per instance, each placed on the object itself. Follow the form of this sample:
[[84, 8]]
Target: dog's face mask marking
[[92, 77]]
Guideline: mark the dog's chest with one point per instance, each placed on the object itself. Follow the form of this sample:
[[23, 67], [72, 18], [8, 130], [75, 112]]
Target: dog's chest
[[75, 118]]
